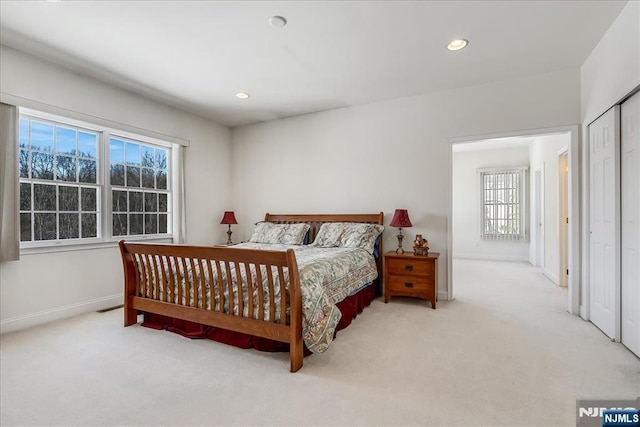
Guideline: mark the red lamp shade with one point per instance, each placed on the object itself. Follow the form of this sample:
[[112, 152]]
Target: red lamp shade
[[401, 219], [229, 218]]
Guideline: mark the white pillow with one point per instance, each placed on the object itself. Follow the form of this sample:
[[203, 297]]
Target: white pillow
[[329, 234], [348, 235], [361, 235], [286, 234]]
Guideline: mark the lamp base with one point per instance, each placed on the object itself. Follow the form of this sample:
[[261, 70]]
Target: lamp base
[[229, 242], [400, 237]]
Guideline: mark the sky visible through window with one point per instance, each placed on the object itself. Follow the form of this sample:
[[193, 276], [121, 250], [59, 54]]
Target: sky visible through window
[[60, 188]]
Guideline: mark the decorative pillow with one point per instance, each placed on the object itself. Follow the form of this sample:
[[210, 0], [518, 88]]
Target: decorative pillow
[[329, 234], [286, 234], [361, 235], [348, 235]]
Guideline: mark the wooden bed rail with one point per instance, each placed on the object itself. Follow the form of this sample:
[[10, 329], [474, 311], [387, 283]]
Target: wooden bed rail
[[192, 283]]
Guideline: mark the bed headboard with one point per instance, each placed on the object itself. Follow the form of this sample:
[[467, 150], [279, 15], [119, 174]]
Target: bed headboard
[[316, 220]]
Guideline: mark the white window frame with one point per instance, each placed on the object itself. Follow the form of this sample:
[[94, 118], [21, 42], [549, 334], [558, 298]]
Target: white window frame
[[105, 237], [109, 223], [521, 203]]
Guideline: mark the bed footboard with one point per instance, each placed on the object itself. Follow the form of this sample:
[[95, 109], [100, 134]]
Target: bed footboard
[[256, 292]]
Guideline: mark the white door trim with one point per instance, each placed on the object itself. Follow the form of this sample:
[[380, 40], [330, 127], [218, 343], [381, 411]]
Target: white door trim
[[538, 216], [563, 216], [574, 205]]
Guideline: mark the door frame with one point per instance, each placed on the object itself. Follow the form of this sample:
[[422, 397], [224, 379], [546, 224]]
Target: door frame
[[573, 303], [538, 217], [563, 216]]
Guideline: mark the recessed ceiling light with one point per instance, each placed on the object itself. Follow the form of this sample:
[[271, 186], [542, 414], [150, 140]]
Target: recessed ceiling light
[[458, 44], [242, 95], [278, 21]]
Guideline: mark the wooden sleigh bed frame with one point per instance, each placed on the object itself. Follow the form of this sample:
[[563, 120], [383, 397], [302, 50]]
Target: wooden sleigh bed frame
[[151, 268]]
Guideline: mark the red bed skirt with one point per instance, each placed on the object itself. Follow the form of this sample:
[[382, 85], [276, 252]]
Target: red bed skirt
[[350, 307]]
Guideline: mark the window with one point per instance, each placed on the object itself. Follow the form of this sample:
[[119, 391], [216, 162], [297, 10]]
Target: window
[[503, 204], [83, 184], [139, 194]]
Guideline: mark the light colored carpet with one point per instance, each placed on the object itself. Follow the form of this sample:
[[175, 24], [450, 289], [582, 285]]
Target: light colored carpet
[[505, 352]]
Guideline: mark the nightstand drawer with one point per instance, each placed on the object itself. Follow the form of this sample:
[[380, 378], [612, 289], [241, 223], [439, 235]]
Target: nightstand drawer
[[410, 275], [402, 267], [408, 284]]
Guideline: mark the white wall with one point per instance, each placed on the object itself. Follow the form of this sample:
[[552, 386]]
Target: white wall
[[544, 151], [611, 71], [43, 287], [386, 155], [466, 205]]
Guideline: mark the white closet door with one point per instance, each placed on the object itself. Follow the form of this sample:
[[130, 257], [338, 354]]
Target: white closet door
[[630, 194], [604, 218]]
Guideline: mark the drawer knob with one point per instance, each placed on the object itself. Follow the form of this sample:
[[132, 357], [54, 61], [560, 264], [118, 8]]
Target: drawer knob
[[408, 285], [408, 267]]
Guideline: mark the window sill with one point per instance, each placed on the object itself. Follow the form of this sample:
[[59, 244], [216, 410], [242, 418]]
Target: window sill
[[491, 238], [70, 247]]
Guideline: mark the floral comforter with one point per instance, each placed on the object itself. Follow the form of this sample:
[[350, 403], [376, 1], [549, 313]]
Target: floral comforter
[[327, 276]]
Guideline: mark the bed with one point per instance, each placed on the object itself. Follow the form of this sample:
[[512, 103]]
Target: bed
[[256, 289]]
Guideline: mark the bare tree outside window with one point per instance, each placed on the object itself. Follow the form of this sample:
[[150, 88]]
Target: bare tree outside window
[[139, 188], [58, 181], [61, 193]]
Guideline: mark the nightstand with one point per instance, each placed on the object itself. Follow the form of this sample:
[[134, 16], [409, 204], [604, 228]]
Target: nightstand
[[411, 275]]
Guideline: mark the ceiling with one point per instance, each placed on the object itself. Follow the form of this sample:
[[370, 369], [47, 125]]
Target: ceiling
[[197, 55]]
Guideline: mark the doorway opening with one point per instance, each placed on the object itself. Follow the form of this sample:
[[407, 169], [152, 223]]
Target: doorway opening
[[548, 197]]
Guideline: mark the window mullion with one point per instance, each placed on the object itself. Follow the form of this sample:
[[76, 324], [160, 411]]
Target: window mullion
[[515, 225], [509, 206], [32, 213], [494, 207], [105, 207], [57, 187], [483, 208]]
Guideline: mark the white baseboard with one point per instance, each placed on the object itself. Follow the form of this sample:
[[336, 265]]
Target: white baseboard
[[443, 296], [551, 276], [489, 257], [20, 322]]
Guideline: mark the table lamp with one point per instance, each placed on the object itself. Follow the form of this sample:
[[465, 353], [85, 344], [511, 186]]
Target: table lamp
[[229, 218], [400, 219]]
